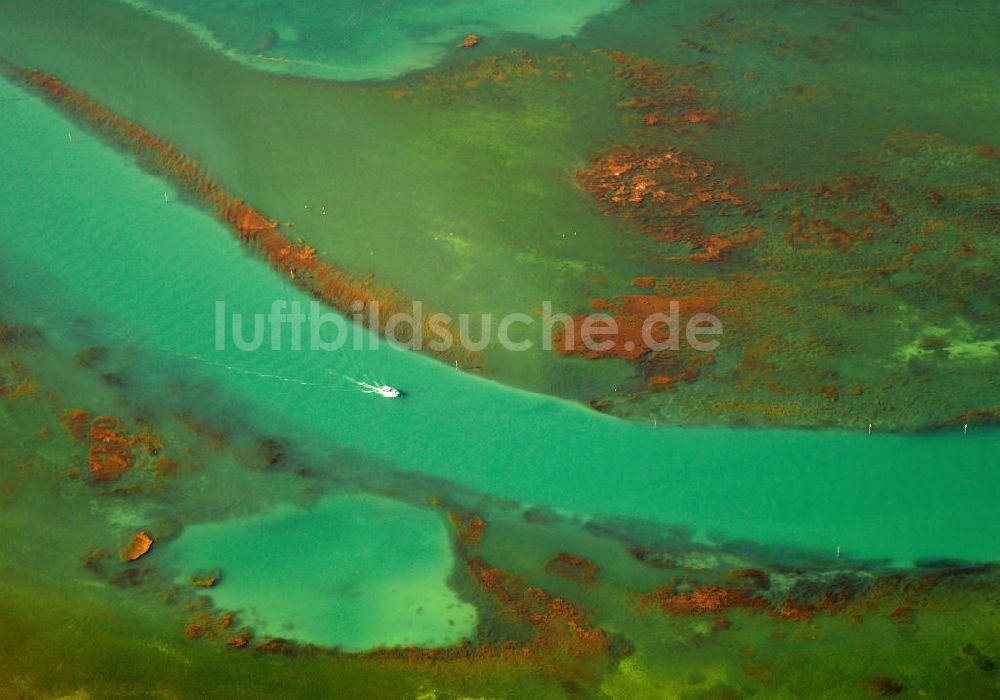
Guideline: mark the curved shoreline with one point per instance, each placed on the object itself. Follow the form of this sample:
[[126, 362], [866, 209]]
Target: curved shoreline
[[432, 53]]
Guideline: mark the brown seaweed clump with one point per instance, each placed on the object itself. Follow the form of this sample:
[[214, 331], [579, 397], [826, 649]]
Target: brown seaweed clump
[[561, 638], [111, 446], [664, 358], [669, 193], [77, 424], [703, 600], [573, 568], [137, 547], [111, 455], [469, 527], [628, 342], [663, 94], [21, 383], [208, 625], [205, 579], [892, 596]]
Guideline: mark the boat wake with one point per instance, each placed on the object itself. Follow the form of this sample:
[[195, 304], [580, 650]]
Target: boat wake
[[366, 385]]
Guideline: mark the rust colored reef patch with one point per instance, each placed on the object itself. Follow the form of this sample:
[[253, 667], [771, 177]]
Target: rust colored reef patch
[[894, 597], [573, 568], [821, 283], [111, 453], [113, 449], [891, 265], [529, 633], [668, 193], [110, 446], [741, 302], [556, 637], [825, 288], [533, 633], [15, 381], [137, 547], [662, 95]]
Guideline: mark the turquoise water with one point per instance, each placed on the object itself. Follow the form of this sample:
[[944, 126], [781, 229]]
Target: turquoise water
[[358, 39], [373, 572], [93, 250]]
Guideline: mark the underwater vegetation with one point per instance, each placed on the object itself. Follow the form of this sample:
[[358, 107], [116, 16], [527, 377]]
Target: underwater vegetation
[[853, 268], [570, 606], [770, 164], [795, 269], [900, 242], [295, 259]]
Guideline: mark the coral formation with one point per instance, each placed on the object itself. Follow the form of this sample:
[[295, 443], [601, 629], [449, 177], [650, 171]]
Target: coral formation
[[854, 246], [701, 600], [112, 447], [752, 590], [205, 579], [661, 94], [668, 193], [77, 424], [574, 568], [111, 455], [469, 527], [137, 547]]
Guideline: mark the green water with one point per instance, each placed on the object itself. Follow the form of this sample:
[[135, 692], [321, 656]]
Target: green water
[[456, 187], [876, 496], [344, 541]]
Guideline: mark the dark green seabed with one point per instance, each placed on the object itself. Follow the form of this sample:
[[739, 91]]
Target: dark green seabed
[[810, 510]]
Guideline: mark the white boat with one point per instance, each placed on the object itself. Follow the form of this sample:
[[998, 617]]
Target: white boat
[[385, 391]]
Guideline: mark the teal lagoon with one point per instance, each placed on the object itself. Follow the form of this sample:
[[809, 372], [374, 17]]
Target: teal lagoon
[[355, 572]]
